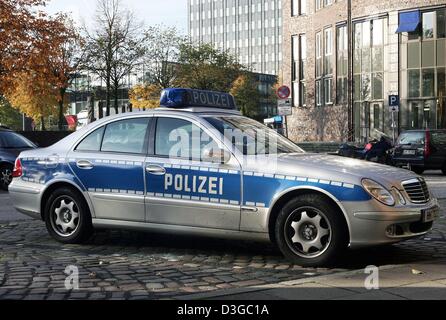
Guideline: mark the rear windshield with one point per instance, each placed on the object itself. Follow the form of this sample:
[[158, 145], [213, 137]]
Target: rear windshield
[[12, 140], [412, 138]]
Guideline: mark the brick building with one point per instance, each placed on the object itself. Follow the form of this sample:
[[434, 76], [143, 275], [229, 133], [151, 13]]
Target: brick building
[[343, 58]]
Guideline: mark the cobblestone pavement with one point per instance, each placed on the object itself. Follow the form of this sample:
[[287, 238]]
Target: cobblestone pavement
[[130, 265]]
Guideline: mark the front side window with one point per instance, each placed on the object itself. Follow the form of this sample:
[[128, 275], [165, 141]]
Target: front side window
[[178, 138], [251, 137], [126, 136]]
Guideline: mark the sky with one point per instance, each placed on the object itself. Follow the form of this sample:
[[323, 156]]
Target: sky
[[151, 12]]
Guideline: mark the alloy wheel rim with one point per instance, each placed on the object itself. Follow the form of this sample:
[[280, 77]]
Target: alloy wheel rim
[[6, 176], [308, 232], [65, 216]]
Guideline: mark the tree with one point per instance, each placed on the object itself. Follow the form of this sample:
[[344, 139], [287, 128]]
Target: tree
[[63, 61], [9, 116], [246, 94], [162, 47], [56, 59], [126, 59], [204, 67], [21, 27], [34, 97], [145, 96], [109, 50]]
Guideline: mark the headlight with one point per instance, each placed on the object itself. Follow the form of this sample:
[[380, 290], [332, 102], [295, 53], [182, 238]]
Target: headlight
[[378, 192]]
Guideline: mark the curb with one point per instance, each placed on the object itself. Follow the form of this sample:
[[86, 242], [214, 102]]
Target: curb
[[228, 292]]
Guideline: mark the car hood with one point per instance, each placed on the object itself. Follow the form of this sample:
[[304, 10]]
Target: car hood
[[335, 168]]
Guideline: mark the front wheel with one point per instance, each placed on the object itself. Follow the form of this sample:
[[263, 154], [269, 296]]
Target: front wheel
[[67, 217], [311, 232], [5, 176]]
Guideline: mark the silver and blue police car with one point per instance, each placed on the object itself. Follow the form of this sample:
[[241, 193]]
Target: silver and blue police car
[[197, 166]]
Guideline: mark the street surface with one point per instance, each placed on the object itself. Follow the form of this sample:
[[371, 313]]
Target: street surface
[[131, 265]]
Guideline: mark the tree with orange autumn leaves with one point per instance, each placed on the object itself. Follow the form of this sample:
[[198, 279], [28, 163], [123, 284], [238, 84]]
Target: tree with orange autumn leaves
[[38, 58]]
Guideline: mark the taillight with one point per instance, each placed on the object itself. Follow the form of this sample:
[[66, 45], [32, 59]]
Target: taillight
[[18, 170], [427, 146]]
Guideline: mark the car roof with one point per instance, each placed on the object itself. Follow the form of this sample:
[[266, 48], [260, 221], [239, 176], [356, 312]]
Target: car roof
[[199, 112]]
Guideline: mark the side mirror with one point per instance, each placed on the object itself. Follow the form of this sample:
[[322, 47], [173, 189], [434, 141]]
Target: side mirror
[[216, 155]]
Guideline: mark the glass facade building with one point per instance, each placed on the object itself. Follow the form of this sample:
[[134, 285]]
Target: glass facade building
[[250, 29]]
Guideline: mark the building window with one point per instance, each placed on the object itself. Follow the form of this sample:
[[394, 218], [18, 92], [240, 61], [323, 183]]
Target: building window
[[425, 51], [324, 67], [342, 65], [298, 7], [319, 4], [299, 54], [318, 54], [318, 93], [368, 60]]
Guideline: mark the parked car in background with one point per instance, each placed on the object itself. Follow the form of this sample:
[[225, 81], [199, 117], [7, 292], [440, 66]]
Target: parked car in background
[[11, 144], [421, 150]]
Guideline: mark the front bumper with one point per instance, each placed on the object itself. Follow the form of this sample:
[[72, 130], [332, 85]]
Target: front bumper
[[375, 224]]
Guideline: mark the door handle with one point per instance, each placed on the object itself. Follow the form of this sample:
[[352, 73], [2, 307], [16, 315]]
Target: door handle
[[156, 170], [84, 164]]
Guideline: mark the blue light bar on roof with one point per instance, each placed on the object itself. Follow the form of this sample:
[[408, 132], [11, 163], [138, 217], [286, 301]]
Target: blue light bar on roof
[[184, 98]]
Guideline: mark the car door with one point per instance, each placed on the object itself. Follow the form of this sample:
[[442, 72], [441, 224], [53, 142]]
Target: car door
[[182, 188], [110, 164]]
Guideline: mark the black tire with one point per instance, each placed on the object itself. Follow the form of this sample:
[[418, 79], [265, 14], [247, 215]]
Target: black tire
[[60, 200], [5, 176], [335, 243], [418, 170], [443, 170]]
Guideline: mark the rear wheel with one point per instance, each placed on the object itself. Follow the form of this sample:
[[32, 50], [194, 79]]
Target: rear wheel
[[311, 232], [67, 217], [5, 176]]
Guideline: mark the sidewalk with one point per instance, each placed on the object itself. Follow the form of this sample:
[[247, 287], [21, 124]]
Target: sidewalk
[[416, 281]]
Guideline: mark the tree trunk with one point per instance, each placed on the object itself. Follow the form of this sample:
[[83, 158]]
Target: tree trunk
[[100, 109], [61, 116], [107, 94], [42, 124], [116, 99]]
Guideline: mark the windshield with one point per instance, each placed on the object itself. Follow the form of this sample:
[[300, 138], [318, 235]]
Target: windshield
[[251, 137], [413, 137], [12, 140]]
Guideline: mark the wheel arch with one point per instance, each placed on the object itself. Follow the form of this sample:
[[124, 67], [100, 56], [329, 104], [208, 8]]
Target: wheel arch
[[283, 198], [60, 184]]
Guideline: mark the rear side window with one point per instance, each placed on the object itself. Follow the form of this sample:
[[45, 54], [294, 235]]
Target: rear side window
[[412, 138], [126, 136], [438, 138], [92, 142]]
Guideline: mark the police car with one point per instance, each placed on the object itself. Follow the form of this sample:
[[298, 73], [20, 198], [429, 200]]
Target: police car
[[196, 166]]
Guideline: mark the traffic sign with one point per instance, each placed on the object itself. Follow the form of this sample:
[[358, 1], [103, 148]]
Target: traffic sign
[[283, 92], [284, 107], [394, 103]]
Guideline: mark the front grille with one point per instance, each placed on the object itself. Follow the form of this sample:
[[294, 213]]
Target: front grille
[[417, 190]]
